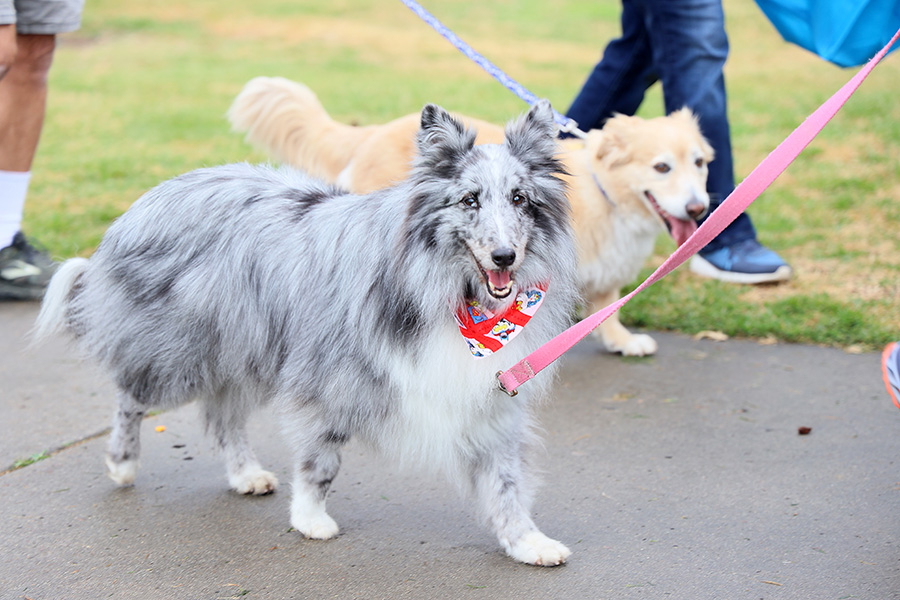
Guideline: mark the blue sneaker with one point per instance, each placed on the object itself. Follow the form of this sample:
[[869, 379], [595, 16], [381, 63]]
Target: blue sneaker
[[890, 369], [744, 262]]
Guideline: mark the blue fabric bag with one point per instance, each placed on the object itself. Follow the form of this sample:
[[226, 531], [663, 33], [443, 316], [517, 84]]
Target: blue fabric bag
[[845, 32]]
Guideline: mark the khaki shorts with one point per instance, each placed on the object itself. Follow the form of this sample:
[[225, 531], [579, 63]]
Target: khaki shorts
[[42, 16]]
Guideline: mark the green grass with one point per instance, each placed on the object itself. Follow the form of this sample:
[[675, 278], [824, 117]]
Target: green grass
[[139, 94], [24, 462]]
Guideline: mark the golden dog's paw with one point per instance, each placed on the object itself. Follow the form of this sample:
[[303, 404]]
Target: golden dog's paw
[[636, 344]]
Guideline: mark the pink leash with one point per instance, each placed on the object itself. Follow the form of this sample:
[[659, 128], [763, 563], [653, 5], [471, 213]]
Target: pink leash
[[736, 203]]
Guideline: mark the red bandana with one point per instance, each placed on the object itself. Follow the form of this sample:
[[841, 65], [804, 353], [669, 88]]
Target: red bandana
[[485, 333]]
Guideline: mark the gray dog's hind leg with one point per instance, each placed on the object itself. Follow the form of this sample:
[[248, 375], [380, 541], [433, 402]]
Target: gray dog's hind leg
[[226, 418], [124, 447], [500, 486]]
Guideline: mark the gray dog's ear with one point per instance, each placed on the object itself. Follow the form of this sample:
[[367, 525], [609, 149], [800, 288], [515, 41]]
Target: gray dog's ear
[[434, 118], [442, 138], [532, 138]]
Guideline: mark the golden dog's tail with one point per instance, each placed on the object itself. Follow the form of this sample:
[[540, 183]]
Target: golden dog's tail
[[286, 120]]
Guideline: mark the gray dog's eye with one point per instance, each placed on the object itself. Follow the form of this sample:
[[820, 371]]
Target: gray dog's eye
[[470, 200], [519, 198]]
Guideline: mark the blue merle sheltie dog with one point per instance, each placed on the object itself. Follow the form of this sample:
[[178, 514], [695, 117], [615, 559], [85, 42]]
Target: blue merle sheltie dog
[[241, 286]]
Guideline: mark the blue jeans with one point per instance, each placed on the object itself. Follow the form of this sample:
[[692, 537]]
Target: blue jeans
[[683, 45]]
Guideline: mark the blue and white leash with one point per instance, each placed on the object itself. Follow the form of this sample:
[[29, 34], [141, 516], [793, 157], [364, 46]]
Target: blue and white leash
[[566, 125]]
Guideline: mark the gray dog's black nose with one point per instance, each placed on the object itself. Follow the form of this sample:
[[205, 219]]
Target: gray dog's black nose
[[503, 257]]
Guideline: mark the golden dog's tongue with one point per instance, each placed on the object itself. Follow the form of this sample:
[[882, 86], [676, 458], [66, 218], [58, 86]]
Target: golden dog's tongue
[[681, 230], [499, 279]]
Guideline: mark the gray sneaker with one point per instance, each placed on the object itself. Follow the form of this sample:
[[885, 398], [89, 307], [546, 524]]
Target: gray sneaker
[[25, 270]]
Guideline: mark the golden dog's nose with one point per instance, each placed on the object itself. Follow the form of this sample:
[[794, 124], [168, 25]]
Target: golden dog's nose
[[695, 209]]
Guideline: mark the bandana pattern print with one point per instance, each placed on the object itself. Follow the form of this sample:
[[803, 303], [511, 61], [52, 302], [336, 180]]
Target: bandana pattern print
[[485, 332]]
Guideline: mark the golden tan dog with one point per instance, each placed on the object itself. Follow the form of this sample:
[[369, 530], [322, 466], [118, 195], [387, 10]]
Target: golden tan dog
[[627, 183]]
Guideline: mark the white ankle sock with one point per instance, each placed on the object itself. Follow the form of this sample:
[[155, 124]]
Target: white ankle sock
[[13, 187]]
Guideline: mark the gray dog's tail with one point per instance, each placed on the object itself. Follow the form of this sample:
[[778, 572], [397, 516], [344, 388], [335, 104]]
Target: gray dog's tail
[[52, 318]]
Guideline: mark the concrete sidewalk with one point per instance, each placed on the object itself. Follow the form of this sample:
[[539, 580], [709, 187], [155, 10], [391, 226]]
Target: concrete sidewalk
[[679, 476]]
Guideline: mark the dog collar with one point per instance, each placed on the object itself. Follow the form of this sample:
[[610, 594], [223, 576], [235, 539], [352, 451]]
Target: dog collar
[[486, 332], [603, 191]]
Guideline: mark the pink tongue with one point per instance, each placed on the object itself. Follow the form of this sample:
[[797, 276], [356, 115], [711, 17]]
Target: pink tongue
[[681, 230], [499, 279]]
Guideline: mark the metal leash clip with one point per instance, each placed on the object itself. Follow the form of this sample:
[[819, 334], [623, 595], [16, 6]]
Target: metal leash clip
[[571, 127], [503, 387]]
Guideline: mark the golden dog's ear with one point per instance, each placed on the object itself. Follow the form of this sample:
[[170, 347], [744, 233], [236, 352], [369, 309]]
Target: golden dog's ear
[[610, 144], [685, 114]]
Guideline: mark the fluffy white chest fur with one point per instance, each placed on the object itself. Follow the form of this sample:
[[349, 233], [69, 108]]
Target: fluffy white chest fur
[[443, 417]]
